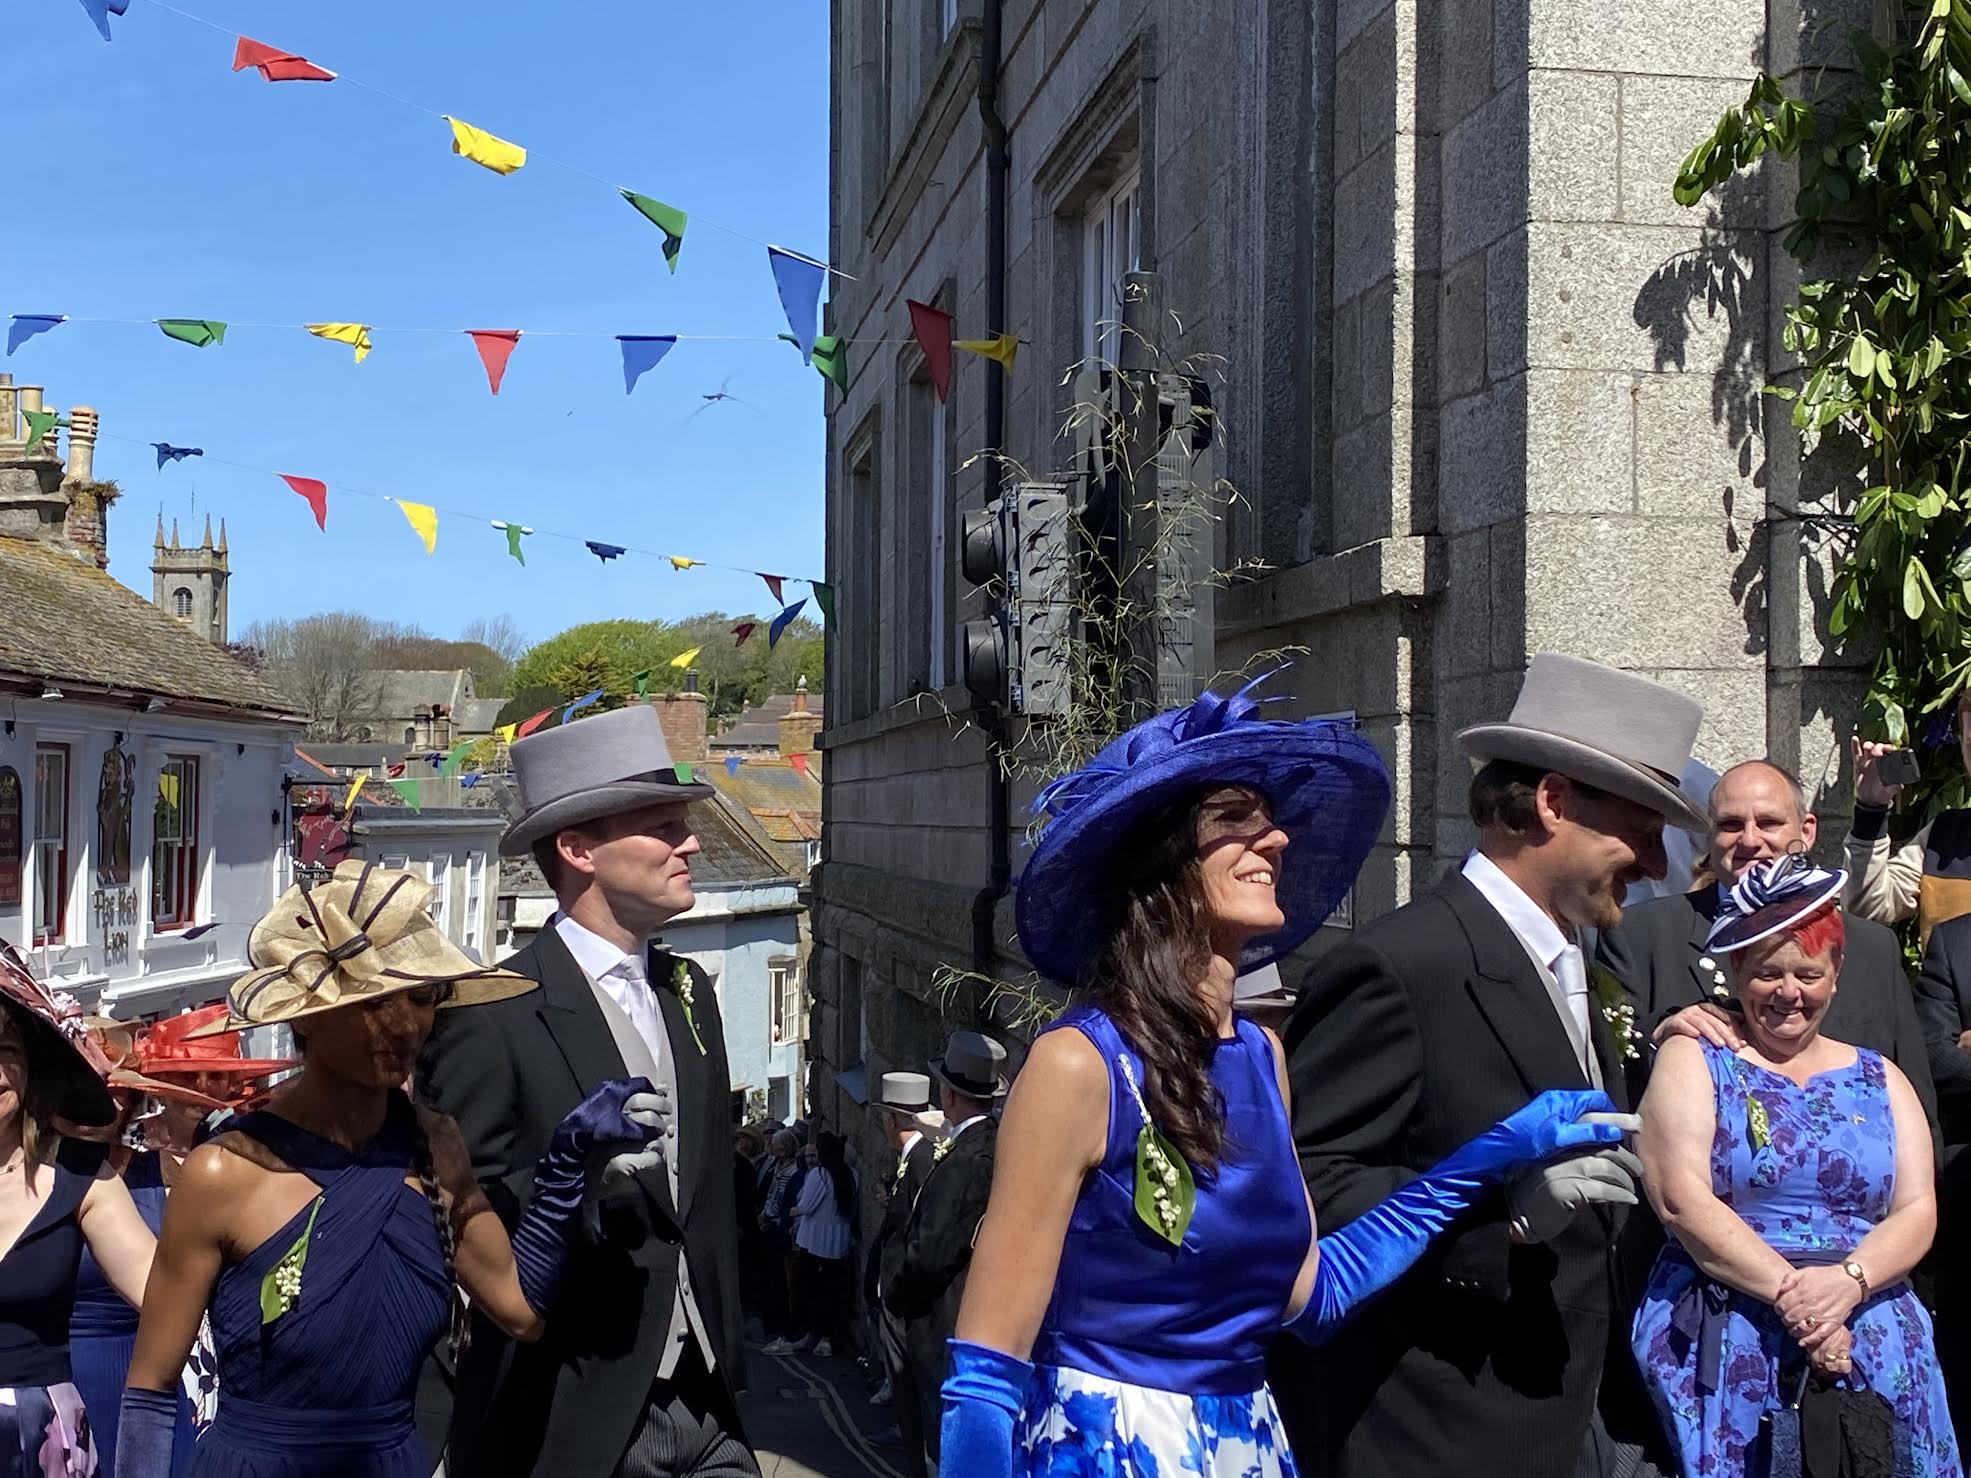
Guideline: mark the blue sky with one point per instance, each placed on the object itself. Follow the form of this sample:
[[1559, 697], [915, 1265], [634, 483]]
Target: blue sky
[[150, 181]]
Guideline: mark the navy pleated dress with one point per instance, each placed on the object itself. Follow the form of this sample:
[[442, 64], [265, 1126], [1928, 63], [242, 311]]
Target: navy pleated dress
[[324, 1387], [103, 1332]]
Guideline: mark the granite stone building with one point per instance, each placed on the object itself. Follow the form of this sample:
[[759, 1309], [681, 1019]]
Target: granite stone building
[[1483, 386]]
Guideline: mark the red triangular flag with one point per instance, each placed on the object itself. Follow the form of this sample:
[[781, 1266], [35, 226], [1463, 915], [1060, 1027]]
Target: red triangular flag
[[932, 326], [495, 346], [532, 724], [316, 493], [276, 65], [799, 762], [394, 772], [743, 630], [773, 584]]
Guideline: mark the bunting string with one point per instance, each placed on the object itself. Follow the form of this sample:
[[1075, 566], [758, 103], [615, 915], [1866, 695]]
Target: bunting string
[[477, 144], [424, 519]]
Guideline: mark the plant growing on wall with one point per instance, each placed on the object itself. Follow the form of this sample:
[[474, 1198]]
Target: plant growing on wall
[[1884, 351]]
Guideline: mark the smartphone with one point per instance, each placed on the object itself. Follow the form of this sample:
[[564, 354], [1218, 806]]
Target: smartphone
[[1899, 767]]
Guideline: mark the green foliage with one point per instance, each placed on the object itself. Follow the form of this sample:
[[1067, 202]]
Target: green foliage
[[1885, 353], [526, 702], [609, 654]]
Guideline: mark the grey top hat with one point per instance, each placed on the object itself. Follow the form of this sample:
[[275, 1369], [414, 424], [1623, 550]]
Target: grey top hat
[[907, 1093], [595, 767], [1613, 730], [974, 1065]]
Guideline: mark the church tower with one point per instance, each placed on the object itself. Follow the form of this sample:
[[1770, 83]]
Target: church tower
[[191, 583]]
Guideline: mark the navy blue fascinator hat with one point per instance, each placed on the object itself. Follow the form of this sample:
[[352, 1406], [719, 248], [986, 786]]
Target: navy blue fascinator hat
[[1772, 896], [1326, 785]]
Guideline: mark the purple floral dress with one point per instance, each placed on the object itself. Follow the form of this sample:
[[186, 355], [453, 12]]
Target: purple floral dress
[[1811, 1171]]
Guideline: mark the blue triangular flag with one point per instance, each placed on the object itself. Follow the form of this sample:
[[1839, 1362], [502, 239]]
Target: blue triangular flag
[[799, 281], [580, 703], [642, 352], [197, 929], [732, 763], [166, 452], [100, 12], [26, 325], [468, 780], [781, 621], [435, 760], [605, 552]]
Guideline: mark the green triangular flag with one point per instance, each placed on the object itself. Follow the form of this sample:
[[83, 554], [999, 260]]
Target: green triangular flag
[[451, 765], [642, 681], [824, 597], [830, 360], [665, 218], [198, 332], [408, 790], [39, 424], [682, 771], [514, 532]]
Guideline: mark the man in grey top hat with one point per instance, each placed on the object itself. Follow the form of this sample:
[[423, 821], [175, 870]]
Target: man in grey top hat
[[636, 1375], [1434, 1022], [929, 1283]]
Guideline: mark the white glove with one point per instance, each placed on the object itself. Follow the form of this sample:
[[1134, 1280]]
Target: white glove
[[1543, 1199], [650, 1111]]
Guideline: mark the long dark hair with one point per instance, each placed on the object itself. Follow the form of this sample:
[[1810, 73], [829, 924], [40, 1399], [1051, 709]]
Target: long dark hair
[[1155, 947], [830, 1155]]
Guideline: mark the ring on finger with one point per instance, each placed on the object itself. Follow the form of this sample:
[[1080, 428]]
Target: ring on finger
[[1812, 1322]]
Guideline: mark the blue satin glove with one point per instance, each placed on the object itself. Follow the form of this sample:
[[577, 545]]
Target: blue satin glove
[[983, 1392], [145, 1427], [1378, 1247], [618, 1116]]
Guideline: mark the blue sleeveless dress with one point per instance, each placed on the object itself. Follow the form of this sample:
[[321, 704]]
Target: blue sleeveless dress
[[1151, 1358], [1817, 1182], [103, 1332], [325, 1390]]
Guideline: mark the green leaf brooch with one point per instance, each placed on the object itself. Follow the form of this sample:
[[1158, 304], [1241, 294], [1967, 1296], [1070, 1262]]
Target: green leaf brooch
[[280, 1290], [1165, 1193]]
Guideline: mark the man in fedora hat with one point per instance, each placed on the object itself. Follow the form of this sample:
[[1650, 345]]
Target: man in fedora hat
[[1440, 1019], [637, 1373], [929, 1281], [903, 1105]]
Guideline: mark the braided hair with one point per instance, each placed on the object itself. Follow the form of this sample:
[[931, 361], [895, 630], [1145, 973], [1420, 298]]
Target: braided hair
[[441, 1217]]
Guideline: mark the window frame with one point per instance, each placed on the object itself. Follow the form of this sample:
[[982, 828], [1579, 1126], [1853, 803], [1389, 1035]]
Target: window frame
[[438, 872], [1103, 266], [181, 603], [58, 933], [185, 879], [472, 934]]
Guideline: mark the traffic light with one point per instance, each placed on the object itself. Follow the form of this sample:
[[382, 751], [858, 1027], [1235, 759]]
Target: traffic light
[[1017, 548]]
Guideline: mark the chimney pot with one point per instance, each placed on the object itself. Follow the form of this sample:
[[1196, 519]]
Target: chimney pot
[[82, 444]]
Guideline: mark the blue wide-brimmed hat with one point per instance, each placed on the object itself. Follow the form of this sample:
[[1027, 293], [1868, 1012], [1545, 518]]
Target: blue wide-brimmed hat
[[1326, 785]]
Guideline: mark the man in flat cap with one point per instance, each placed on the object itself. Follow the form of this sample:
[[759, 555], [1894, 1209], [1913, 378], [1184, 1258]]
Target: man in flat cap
[[636, 1375]]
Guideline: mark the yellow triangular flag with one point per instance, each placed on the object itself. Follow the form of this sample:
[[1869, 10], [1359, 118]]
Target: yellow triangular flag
[[685, 659], [355, 789], [167, 786], [1002, 348], [679, 562], [357, 335], [424, 518], [505, 732], [482, 147]]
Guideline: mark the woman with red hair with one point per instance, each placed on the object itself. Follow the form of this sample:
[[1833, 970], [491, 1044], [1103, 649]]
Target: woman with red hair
[[1795, 1179]]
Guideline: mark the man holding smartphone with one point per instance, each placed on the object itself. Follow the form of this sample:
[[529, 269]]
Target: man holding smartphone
[[1929, 876]]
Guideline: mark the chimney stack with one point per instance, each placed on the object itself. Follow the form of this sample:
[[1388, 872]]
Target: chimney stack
[[797, 725], [88, 508], [82, 444], [683, 718], [32, 505]]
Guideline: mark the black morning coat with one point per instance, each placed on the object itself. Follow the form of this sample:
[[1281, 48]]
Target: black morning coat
[[1421, 1031], [509, 1072], [903, 1192], [929, 1282]]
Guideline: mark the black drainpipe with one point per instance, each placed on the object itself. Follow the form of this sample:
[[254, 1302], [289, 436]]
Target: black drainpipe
[[990, 719]]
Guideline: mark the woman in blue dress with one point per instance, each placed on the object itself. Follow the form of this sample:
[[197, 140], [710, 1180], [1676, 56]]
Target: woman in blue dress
[[1795, 1179], [1149, 1231], [326, 1231]]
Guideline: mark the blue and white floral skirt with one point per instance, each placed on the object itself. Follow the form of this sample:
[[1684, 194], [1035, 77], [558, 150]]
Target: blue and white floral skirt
[[1076, 1424]]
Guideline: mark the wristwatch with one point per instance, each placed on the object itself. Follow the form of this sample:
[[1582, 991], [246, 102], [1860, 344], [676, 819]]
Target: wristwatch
[[1854, 1270]]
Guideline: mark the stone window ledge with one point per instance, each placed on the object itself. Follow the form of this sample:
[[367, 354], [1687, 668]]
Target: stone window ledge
[[950, 705], [952, 85], [1386, 569]]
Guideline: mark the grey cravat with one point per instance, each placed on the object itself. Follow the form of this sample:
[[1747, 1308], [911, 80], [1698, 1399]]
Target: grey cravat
[[1571, 976]]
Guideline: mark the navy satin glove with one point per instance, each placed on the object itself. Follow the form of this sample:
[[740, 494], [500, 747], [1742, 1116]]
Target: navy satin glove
[[617, 1117], [145, 1426], [983, 1392], [1378, 1247]]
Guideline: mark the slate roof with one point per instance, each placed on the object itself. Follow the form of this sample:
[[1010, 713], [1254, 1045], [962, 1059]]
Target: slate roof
[[758, 727], [785, 804], [68, 621], [406, 689], [475, 716]]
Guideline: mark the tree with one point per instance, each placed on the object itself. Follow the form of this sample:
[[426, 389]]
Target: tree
[[324, 664], [1884, 351], [411, 649], [525, 703], [498, 635]]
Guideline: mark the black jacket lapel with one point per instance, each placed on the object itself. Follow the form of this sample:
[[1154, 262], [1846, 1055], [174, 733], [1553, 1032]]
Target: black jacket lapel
[[1703, 913], [1508, 991], [688, 1069], [570, 1016]]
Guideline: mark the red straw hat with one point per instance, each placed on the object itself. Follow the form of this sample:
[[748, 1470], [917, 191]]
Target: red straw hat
[[118, 1043], [164, 1052]]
